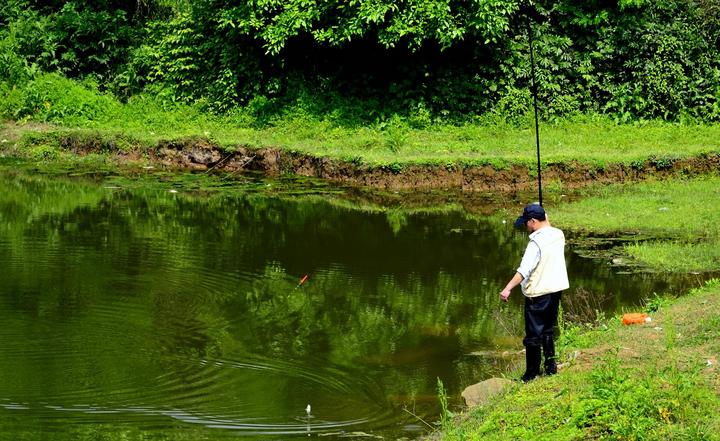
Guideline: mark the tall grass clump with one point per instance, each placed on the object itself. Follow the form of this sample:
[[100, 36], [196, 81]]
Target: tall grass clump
[[445, 413]]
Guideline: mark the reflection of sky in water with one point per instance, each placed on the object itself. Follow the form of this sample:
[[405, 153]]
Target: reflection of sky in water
[[134, 310]]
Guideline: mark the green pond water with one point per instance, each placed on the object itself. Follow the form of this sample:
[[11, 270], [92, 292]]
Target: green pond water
[[161, 307]]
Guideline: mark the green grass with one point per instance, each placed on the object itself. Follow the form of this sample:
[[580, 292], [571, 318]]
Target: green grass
[[677, 256], [682, 212], [593, 139], [644, 382], [438, 145]]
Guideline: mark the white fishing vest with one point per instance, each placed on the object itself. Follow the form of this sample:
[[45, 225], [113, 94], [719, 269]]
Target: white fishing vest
[[550, 274]]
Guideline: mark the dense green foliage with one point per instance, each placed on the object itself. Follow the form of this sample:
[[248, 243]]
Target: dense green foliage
[[366, 60]]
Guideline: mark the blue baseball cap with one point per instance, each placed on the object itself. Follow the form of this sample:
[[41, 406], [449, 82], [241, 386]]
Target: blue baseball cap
[[532, 211]]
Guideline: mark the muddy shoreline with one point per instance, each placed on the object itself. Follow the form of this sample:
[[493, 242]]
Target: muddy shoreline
[[196, 154]]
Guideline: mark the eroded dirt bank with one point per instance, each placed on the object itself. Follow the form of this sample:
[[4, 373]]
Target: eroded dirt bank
[[200, 154]]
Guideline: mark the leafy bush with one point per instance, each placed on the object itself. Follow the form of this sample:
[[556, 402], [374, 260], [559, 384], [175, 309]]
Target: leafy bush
[[54, 98], [669, 65], [14, 69], [364, 61], [78, 37]]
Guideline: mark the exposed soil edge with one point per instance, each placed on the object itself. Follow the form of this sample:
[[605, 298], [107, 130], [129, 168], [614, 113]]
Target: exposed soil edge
[[198, 153]]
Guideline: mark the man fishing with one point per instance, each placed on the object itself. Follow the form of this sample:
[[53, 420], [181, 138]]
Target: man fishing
[[542, 276]]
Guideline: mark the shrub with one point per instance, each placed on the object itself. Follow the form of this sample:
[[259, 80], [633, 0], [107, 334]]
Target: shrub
[[53, 98]]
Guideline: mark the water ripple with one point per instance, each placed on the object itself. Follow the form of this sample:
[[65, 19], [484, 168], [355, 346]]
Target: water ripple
[[221, 394]]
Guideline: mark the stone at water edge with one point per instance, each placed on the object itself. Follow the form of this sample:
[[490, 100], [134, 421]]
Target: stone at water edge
[[481, 393]]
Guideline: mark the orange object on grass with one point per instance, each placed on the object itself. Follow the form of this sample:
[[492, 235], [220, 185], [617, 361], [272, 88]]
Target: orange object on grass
[[634, 318]]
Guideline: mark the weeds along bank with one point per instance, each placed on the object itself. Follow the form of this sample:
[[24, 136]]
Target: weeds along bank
[[485, 154], [643, 382], [56, 100], [451, 158]]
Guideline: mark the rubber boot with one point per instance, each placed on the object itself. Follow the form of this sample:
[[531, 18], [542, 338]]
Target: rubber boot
[[549, 352], [532, 363]]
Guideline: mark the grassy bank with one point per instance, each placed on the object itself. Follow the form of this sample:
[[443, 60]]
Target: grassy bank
[[673, 222], [418, 138], [645, 382]]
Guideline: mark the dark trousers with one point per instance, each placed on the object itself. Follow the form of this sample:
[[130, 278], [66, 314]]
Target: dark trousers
[[541, 314]]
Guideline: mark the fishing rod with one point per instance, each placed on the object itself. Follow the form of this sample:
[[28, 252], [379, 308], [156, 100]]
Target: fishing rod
[[528, 13]]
